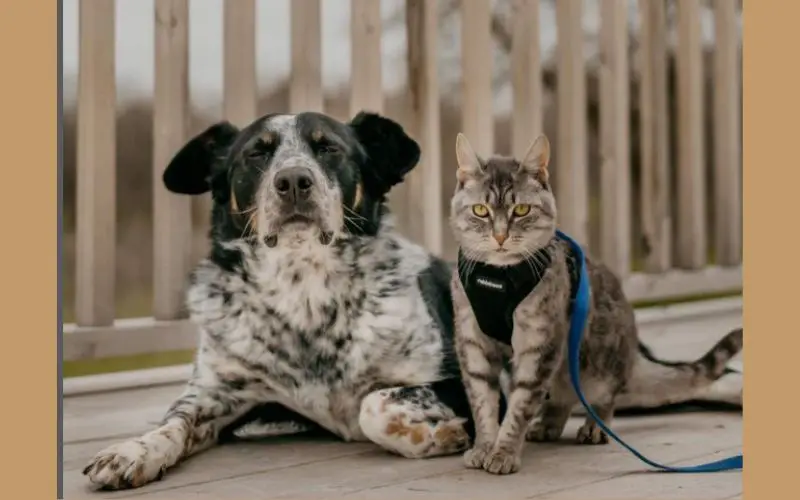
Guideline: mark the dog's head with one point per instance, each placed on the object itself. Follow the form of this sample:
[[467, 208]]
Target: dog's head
[[295, 178]]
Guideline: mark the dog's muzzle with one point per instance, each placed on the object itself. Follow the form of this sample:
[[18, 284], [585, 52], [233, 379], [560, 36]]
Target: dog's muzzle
[[294, 184], [294, 187]]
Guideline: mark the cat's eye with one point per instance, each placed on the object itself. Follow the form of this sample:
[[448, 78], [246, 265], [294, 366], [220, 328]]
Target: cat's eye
[[480, 210], [522, 210]]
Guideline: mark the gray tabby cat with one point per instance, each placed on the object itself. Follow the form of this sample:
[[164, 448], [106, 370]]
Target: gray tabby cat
[[503, 213]]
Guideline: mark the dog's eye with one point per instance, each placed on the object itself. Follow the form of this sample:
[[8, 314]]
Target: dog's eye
[[259, 150], [327, 148]]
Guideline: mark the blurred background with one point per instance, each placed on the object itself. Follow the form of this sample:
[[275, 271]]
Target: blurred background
[[641, 100]]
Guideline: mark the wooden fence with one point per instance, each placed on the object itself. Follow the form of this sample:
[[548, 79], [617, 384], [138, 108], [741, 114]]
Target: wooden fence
[[676, 263]]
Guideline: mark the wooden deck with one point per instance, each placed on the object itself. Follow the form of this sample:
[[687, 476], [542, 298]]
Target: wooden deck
[[317, 467]]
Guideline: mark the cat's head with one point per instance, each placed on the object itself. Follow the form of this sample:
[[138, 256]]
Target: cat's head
[[503, 209]]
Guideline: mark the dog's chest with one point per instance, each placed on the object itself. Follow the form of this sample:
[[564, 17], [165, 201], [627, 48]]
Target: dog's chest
[[316, 342]]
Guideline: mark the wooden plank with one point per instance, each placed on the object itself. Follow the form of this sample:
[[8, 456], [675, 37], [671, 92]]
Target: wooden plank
[[727, 140], [571, 179], [366, 79], [96, 405], [680, 283], [691, 229], [550, 468], [615, 221], [144, 335], [526, 76], [239, 73], [232, 465], [127, 379], [305, 83], [654, 124], [127, 338], [172, 222], [477, 115], [425, 205], [116, 415], [673, 486], [96, 183]]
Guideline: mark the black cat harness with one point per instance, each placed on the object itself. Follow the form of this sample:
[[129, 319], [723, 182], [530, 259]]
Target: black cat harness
[[495, 292]]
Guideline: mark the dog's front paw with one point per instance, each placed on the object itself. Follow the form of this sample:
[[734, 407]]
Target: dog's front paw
[[502, 462], [129, 464], [475, 456]]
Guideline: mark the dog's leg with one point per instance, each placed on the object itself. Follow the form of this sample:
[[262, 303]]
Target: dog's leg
[[191, 424], [415, 422]]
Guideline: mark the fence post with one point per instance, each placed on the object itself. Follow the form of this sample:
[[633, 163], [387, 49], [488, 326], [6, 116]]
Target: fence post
[[572, 179], [425, 206], [366, 85], [477, 115], [654, 131], [727, 140], [615, 221], [526, 76], [239, 74], [172, 221], [305, 90], [691, 237], [96, 169]]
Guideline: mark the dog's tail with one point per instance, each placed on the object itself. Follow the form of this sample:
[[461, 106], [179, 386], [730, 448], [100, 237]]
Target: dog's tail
[[656, 382]]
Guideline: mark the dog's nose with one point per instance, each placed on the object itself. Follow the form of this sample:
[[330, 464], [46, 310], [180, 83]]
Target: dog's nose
[[294, 183]]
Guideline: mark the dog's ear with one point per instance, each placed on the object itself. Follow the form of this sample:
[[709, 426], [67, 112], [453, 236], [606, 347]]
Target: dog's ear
[[391, 153], [190, 170]]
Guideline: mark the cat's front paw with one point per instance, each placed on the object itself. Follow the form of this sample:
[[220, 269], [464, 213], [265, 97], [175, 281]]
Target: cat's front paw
[[502, 462], [475, 456], [591, 434], [540, 432]]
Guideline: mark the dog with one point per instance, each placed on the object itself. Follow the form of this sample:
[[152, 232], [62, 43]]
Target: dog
[[313, 311]]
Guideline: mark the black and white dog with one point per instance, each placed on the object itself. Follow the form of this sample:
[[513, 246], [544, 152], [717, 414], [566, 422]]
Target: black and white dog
[[313, 311]]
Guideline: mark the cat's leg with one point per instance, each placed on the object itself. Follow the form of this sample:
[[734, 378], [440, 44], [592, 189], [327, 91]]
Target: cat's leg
[[191, 424], [551, 425], [534, 367], [590, 432], [419, 421], [481, 364]]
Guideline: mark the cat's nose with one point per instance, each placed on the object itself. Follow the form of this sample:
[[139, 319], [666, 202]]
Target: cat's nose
[[500, 238]]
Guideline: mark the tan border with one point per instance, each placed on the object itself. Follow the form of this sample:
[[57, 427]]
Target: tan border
[[28, 372], [771, 87], [28, 100]]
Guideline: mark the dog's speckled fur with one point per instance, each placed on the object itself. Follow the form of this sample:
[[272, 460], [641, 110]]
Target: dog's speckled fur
[[536, 358], [312, 312], [347, 336]]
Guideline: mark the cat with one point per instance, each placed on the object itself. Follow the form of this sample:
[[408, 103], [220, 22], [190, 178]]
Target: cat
[[511, 329]]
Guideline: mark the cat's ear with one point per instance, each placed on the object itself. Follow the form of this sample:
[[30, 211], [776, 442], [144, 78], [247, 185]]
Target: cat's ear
[[537, 159], [469, 164]]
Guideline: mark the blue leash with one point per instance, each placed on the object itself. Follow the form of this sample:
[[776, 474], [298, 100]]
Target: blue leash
[[580, 312]]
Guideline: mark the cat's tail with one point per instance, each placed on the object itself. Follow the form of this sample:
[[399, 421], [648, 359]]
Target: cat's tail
[[656, 382]]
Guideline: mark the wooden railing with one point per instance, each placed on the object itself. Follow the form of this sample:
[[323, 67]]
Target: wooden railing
[[676, 262]]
